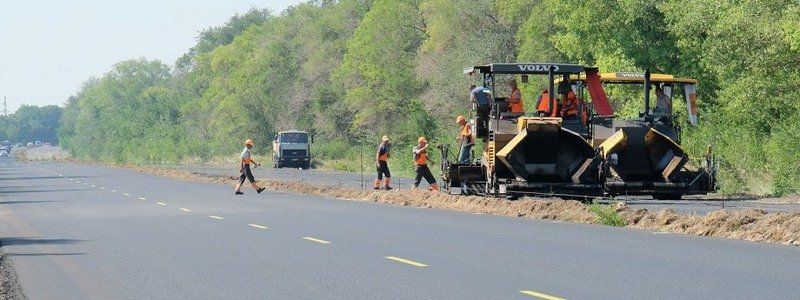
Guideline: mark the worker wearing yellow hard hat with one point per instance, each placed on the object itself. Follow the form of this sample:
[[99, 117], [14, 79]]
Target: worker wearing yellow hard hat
[[381, 165], [244, 168], [421, 163], [465, 139]]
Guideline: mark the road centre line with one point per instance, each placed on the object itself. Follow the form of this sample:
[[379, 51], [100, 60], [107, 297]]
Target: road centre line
[[316, 240], [140, 198], [114, 191], [161, 203], [257, 226], [406, 261], [126, 194], [541, 295], [185, 209], [215, 217], [102, 188]]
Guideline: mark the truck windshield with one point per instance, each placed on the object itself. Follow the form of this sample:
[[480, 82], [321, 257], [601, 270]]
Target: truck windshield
[[294, 137]]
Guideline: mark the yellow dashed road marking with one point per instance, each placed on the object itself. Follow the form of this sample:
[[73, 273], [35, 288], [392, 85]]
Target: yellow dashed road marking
[[257, 226], [308, 238], [215, 217], [161, 203], [540, 295], [185, 209], [406, 261]]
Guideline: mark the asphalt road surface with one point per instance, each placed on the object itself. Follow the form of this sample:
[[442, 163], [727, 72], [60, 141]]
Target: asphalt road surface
[[76, 232]]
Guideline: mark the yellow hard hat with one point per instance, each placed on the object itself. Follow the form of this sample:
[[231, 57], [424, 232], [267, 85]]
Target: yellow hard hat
[[422, 140], [460, 119], [385, 138], [248, 142]]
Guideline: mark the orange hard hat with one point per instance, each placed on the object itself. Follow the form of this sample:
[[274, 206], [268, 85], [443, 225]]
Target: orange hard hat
[[248, 142], [422, 140]]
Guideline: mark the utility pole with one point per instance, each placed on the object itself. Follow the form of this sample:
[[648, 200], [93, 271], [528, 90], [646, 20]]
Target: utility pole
[[5, 106]]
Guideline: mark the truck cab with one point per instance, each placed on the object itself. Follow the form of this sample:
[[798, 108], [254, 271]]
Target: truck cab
[[291, 149]]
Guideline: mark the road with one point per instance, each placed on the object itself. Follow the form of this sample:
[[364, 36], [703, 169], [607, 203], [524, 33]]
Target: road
[[75, 232]]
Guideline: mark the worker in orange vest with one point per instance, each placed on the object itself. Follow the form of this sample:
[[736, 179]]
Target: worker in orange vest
[[465, 139], [244, 168], [515, 103], [381, 165], [543, 105], [421, 162], [571, 107]]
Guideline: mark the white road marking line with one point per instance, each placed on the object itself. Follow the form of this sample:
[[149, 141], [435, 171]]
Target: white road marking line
[[93, 185], [126, 194], [114, 191], [185, 209], [308, 238], [140, 198], [71, 179], [406, 261], [102, 188], [540, 295], [257, 226], [660, 232], [215, 217], [161, 203]]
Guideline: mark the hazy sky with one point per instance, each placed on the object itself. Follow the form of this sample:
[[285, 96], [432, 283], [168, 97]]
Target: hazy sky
[[49, 48]]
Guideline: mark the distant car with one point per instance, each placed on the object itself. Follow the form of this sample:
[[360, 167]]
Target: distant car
[[38, 143], [29, 144], [3, 153]]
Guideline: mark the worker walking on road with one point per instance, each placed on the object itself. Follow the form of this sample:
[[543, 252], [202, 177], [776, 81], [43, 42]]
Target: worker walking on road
[[421, 162], [381, 158], [244, 168], [465, 139]]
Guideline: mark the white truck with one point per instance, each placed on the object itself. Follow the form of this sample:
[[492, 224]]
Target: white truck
[[291, 149]]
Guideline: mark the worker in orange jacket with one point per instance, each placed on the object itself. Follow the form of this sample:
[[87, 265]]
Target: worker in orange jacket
[[543, 105], [571, 107], [421, 162], [381, 165], [515, 103], [465, 139]]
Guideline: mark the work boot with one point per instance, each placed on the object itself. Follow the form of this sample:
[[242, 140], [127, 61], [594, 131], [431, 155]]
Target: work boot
[[238, 193], [377, 184], [387, 183], [387, 188], [260, 190]]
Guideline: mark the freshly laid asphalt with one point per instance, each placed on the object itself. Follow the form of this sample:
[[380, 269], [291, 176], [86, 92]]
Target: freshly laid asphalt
[[75, 232]]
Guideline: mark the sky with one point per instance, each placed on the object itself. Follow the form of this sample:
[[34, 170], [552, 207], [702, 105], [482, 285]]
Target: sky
[[49, 48]]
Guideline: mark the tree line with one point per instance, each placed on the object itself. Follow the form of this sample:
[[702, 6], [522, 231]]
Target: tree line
[[349, 71], [30, 124]]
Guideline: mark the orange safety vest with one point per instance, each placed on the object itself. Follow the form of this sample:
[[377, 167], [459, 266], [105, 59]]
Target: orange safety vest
[[384, 156], [516, 96], [466, 134], [544, 105], [422, 158], [571, 106]]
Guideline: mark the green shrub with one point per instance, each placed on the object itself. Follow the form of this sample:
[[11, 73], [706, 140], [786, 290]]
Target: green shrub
[[606, 215]]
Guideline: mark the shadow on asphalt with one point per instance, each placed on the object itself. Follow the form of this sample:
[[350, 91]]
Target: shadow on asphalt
[[43, 177], [46, 254], [19, 241], [25, 202], [40, 191]]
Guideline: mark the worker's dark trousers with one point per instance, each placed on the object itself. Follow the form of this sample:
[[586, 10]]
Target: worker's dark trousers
[[464, 154], [482, 118], [383, 169], [247, 174], [424, 171]]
